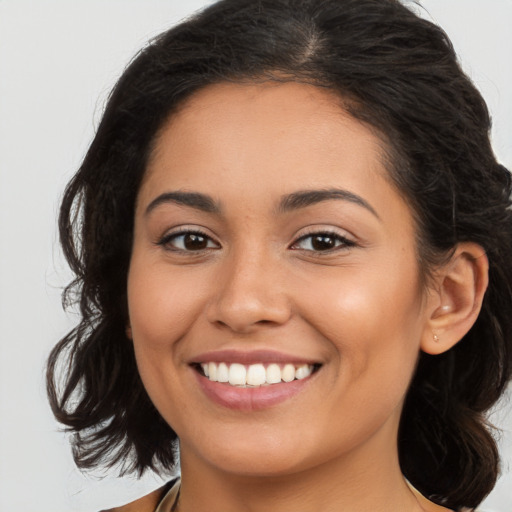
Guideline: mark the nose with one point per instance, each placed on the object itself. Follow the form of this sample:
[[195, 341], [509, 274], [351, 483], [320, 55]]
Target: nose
[[249, 293]]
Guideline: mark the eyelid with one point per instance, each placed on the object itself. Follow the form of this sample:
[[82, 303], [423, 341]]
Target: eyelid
[[347, 240], [178, 231]]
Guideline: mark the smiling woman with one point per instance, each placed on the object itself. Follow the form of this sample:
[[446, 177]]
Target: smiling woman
[[275, 278], [293, 257]]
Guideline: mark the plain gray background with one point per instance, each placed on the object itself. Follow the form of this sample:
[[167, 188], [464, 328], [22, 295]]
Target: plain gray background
[[58, 61]]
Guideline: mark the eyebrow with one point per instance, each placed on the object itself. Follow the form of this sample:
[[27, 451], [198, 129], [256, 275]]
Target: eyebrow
[[289, 202], [304, 198], [195, 200]]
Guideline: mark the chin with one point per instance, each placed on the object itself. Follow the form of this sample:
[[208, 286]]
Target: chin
[[261, 465], [253, 455]]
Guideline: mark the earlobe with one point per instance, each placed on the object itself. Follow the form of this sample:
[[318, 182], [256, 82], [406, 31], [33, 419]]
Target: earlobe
[[456, 300], [128, 332]]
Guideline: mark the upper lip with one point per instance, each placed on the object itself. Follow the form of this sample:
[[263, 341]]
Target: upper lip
[[250, 357]]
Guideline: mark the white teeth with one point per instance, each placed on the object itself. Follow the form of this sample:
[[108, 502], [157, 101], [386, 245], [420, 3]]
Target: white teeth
[[237, 374], [288, 373], [222, 373], [256, 375], [212, 371], [273, 374], [303, 371]]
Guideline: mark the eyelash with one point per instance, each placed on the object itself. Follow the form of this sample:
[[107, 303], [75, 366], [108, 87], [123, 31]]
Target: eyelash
[[340, 241], [166, 240]]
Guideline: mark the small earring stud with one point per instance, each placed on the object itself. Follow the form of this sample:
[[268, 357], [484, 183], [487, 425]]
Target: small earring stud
[[436, 338]]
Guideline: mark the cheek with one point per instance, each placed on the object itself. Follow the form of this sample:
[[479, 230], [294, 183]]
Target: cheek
[[162, 308], [372, 320]]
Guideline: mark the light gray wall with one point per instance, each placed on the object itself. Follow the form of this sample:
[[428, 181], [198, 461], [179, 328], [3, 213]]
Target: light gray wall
[[58, 60]]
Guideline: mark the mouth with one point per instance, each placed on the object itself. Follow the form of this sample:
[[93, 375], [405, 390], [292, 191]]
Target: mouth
[[253, 380], [254, 375]]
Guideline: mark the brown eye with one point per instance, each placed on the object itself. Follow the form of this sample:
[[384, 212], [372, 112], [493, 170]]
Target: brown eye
[[188, 241], [322, 242], [193, 242]]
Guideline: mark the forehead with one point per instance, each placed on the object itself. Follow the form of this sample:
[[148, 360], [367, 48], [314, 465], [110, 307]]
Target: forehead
[[290, 130]]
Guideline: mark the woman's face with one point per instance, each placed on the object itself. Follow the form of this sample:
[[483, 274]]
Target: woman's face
[[269, 246]]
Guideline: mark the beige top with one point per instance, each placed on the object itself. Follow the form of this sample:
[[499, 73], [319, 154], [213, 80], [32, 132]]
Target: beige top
[[169, 501]]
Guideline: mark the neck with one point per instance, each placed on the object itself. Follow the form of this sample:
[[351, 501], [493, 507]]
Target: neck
[[296, 492]]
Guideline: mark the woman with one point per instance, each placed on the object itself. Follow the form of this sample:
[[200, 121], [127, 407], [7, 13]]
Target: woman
[[292, 245]]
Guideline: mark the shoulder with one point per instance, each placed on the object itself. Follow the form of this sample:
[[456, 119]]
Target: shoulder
[[147, 503]]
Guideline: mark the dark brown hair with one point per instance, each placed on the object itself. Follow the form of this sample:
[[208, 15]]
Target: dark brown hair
[[396, 72]]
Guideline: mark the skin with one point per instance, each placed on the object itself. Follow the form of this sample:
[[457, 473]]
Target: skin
[[359, 310]]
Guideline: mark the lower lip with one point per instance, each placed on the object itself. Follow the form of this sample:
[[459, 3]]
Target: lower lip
[[251, 399]]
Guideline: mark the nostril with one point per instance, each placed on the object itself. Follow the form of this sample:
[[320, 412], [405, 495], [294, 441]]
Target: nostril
[[242, 312], [244, 327]]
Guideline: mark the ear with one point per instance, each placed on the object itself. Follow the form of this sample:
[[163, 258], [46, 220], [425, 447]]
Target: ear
[[128, 332], [455, 298]]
